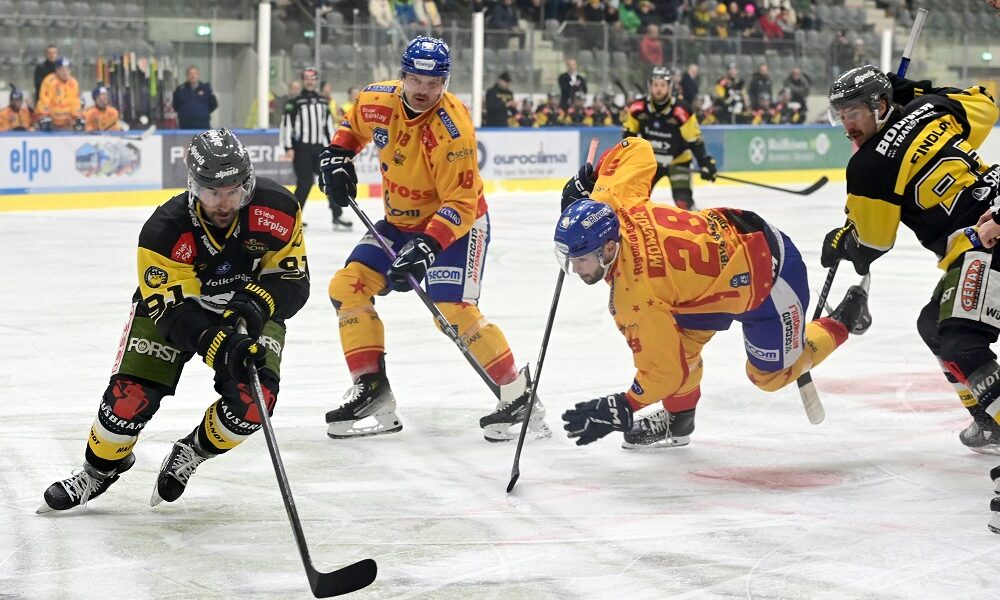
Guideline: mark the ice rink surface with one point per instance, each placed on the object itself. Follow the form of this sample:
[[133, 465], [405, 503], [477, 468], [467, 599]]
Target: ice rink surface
[[879, 501]]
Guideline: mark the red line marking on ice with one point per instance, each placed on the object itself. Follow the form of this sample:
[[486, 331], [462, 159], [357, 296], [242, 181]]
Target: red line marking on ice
[[773, 479]]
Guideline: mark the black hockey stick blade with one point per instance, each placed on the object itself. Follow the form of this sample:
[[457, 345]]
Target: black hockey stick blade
[[804, 192], [342, 581]]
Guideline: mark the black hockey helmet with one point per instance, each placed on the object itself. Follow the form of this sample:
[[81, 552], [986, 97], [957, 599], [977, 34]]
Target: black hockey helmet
[[864, 84], [217, 159], [664, 73]]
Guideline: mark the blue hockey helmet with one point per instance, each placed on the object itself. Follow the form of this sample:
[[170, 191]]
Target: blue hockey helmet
[[583, 228], [16, 94], [100, 89], [427, 56]]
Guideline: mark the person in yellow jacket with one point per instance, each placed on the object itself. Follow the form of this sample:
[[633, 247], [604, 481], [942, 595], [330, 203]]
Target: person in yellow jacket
[[59, 107], [437, 223], [16, 116], [677, 277], [101, 116]]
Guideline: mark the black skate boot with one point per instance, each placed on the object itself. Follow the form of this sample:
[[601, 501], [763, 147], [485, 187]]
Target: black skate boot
[[369, 399], [177, 469], [339, 223], [660, 430], [994, 523], [84, 485], [982, 435], [504, 423], [852, 311]]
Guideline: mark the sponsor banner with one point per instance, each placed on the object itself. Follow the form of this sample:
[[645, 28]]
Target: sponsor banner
[[781, 148], [262, 145], [76, 162], [528, 154]]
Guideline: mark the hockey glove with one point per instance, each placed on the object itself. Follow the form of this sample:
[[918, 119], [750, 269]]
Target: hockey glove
[[253, 305], [590, 421], [79, 125], [227, 351], [337, 177], [905, 90], [414, 259], [841, 244], [579, 186], [45, 124], [708, 168]]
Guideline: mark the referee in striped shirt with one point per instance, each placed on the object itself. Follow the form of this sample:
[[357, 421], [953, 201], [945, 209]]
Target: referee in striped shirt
[[306, 129]]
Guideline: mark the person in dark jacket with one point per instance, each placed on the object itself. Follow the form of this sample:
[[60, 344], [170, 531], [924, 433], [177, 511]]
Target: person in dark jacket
[[44, 67], [194, 102], [500, 104], [570, 83], [689, 84]]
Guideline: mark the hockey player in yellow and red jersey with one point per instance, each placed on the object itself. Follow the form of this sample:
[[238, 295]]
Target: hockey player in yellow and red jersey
[[435, 219], [101, 116], [676, 278]]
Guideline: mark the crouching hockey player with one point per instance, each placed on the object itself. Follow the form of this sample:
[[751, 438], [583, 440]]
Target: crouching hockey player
[[227, 252], [917, 165], [677, 277], [436, 219]]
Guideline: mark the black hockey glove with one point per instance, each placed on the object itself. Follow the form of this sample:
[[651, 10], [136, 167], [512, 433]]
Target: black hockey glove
[[254, 305], [337, 177], [414, 259], [227, 351], [579, 186], [841, 244], [590, 421], [905, 90], [79, 125], [708, 168], [45, 124]]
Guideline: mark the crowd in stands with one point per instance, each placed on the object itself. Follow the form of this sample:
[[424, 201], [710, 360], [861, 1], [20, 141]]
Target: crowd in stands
[[730, 100]]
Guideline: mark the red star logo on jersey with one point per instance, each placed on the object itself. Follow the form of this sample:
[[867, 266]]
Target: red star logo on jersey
[[359, 286]]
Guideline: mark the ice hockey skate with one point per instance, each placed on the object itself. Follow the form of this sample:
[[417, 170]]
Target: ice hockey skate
[[504, 423], [982, 436], [84, 485], [370, 409], [177, 469], [852, 311], [340, 224], [660, 430]]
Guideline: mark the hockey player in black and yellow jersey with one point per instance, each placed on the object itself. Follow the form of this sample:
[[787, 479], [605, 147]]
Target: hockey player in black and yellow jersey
[[917, 164], [671, 127], [228, 251]]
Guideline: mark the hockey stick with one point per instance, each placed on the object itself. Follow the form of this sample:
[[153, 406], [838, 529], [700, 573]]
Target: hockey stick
[[324, 585], [515, 388], [803, 192], [515, 470], [807, 389]]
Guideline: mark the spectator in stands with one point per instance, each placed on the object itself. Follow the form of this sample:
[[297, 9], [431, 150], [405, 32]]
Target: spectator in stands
[[860, 56], [841, 54], [602, 113], [669, 10], [44, 68], [730, 98], [650, 47], [787, 21], [383, 15], [406, 13], [648, 15], [59, 107], [570, 83], [701, 19], [720, 21], [194, 102], [745, 24], [16, 116], [550, 114], [531, 11], [761, 89], [101, 116], [578, 114], [769, 25], [798, 84], [429, 15], [628, 16], [503, 17], [689, 84], [592, 11], [500, 104]]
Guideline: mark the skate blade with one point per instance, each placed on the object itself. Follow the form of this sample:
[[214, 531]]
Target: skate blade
[[384, 424], [992, 449], [505, 433], [44, 508], [665, 444]]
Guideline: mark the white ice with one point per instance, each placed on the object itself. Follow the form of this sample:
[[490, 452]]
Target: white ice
[[879, 501]]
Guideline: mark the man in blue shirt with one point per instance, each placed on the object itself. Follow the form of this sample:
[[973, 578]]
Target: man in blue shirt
[[194, 102]]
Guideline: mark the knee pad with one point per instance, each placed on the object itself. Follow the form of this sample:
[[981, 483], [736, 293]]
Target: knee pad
[[355, 285], [234, 417], [128, 404], [927, 327]]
